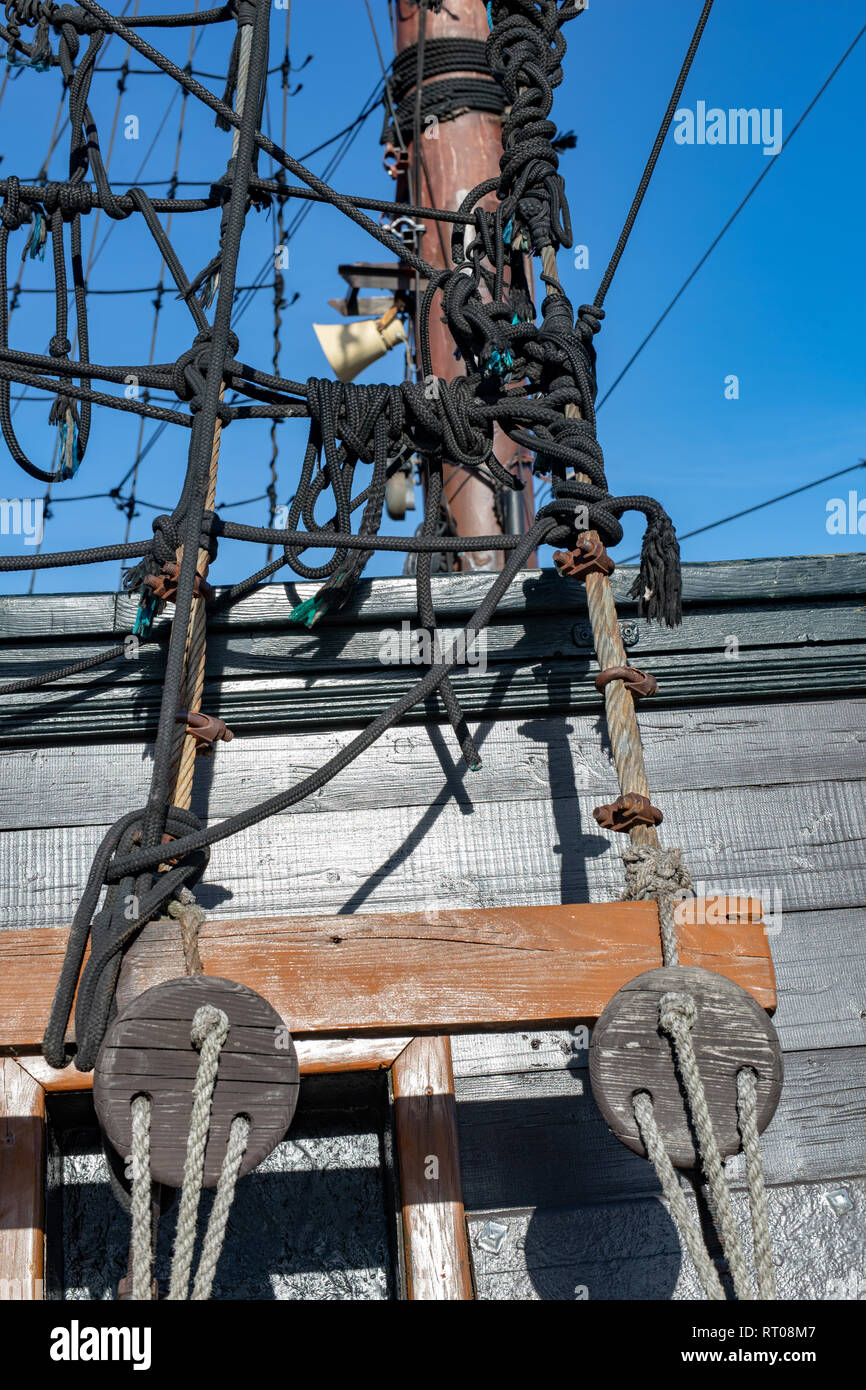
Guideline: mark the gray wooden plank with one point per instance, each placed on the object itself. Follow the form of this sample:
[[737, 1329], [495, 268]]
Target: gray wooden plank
[[537, 759], [630, 1250], [238, 653], [538, 1139], [91, 707], [804, 844], [775, 580]]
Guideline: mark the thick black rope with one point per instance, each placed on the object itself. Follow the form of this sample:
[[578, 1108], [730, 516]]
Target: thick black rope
[[521, 375]]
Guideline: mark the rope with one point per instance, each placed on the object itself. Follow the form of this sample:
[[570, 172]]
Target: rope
[[686, 1225], [142, 1210], [190, 916], [747, 1106], [677, 1014], [210, 1028], [216, 1227], [652, 872]]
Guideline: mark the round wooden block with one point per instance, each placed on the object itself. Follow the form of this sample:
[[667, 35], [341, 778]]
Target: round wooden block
[[147, 1050], [630, 1053]]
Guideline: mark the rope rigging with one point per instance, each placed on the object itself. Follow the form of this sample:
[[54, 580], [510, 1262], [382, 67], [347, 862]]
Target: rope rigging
[[531, 373]]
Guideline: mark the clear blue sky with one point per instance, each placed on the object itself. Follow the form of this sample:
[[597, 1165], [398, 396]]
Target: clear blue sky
[[780, 304]]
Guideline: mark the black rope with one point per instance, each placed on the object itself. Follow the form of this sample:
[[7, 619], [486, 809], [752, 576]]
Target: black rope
[[523, 371]]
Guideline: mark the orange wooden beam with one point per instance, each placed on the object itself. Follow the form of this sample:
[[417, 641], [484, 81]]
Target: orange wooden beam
[[432, 972]]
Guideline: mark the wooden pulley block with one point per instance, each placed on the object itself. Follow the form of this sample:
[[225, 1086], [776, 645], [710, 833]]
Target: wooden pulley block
[[148, 1051], [631, 1053]]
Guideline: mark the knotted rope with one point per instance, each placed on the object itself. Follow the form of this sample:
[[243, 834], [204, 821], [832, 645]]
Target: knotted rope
[[210, 1027], [653, 872], [186, 911]]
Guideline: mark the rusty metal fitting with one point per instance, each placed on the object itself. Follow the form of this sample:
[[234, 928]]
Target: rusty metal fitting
[[165, 838], [164, 584], [627, 811], [633, 680], [588, 557], [395, 162], [205, 728]]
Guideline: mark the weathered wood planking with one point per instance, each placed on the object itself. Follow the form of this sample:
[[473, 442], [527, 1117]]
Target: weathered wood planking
[[775, 580], [22, 1176], [236, 654], [630, 1250], [335, 698], [549, 757], [436, 1251], [537, 1139], [805, 843], [265, 672], [434, 972]]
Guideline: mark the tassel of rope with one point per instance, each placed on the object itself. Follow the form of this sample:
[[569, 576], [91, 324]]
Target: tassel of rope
[[209, 1031]]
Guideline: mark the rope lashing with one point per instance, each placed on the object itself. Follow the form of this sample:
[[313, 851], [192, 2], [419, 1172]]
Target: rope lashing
[[655, 873], [209, 1031], [445, 98]]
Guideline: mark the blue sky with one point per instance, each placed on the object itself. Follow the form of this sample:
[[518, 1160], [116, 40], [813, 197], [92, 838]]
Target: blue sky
[[780, 304]]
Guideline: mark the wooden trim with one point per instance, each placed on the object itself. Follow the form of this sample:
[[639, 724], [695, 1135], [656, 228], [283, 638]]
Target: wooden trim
[[315, 1055], [437, 972], [435, 1242], [22, 1183]]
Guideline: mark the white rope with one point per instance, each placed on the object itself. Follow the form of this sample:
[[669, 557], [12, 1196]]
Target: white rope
[[677, 1014], [209, 1031], [747, 1115], [142, 1209], [687, 1227], [216, 1226]]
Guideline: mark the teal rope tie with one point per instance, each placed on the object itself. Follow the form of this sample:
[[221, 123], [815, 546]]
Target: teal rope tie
[[69, 470], [36, 244], [499, 364], [311, 610], [147, 605], [41, 64]]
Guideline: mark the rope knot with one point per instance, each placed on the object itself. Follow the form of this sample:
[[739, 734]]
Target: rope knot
[[676, 1007], [653, 872], [207, 1022]]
